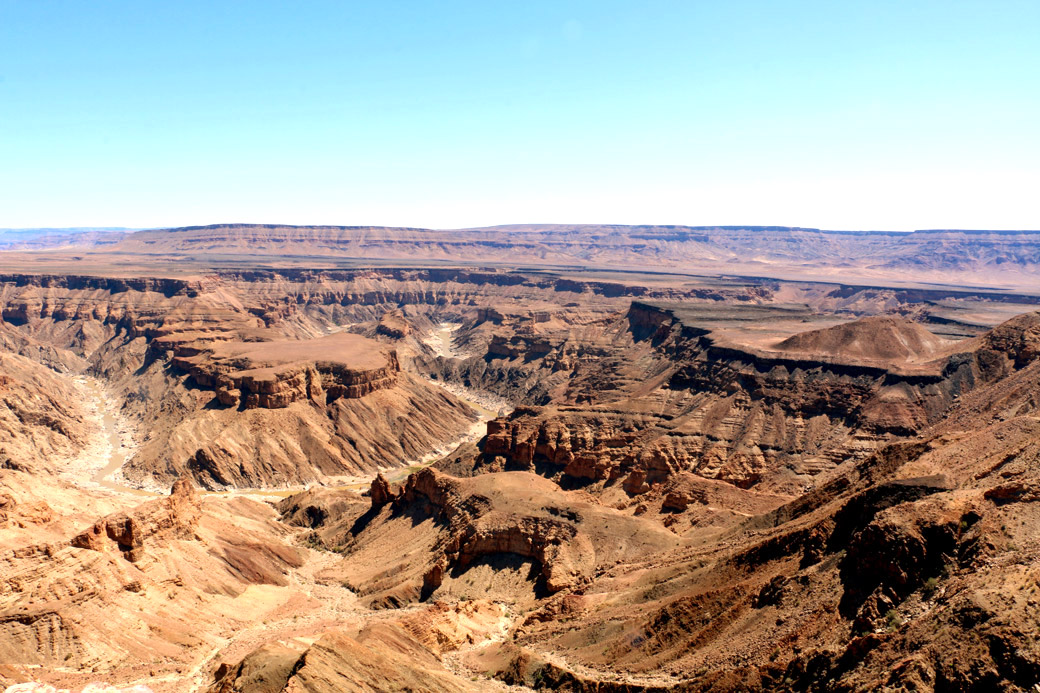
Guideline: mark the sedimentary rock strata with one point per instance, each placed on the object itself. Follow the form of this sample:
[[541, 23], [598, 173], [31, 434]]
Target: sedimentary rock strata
[[274, 374], [706, 483]]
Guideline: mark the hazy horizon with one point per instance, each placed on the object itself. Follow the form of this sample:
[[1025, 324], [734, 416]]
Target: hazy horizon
[[73, 229]]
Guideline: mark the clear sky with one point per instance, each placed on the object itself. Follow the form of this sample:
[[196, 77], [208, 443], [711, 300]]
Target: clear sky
[[833, 114]]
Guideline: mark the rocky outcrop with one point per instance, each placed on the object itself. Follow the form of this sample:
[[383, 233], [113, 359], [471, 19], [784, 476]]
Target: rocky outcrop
[[380, 492], [737, 516], [1026, 491], [1017, 340], [397, 655], [896, 552], [275, 391], [317, 506], [173, 517], [488, 518], [23, 514], [564, 554], [7, 504], [393, 325]]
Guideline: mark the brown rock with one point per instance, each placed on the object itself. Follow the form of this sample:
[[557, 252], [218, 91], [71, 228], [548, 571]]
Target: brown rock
[[380, 492], [173, 517]]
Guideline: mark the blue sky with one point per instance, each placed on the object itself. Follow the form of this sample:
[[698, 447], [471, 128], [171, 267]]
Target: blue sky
[[884, 115]]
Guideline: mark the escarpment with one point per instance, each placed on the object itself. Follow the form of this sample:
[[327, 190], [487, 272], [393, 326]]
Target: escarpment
[[938, 256], [185, 360], [312, 439], [686, 396]]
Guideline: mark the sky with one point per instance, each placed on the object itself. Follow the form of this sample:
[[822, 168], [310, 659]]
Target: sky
[[833, 114]]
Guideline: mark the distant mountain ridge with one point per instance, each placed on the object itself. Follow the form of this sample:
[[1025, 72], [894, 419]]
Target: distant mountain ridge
[[976, 257], [670, 227]]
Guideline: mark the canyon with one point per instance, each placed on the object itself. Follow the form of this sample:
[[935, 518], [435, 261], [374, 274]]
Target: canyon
[[586, 458]]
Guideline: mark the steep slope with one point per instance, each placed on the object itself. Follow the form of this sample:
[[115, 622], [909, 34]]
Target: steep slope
[[102, 587], [394, 655], [264, 413], [677, 503], [454, 526], [40, 420]]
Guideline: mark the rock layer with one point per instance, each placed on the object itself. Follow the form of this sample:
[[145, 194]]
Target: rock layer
[[274, 374]]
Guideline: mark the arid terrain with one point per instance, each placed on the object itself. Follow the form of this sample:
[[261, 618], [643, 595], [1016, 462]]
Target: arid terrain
[[254, 459]]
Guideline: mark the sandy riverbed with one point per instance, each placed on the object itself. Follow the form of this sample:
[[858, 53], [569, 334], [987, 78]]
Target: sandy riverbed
[[99, 465]]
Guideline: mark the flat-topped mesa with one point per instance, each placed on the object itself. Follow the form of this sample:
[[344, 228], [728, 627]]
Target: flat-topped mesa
[[274, 374]]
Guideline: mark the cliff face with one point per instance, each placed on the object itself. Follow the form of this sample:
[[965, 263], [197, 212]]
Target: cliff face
[[699, 402], [911, 568], [249, 385], [645, 394], [684, 500], [250, 408], [52, 306], [166, 286], [309, 440]]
